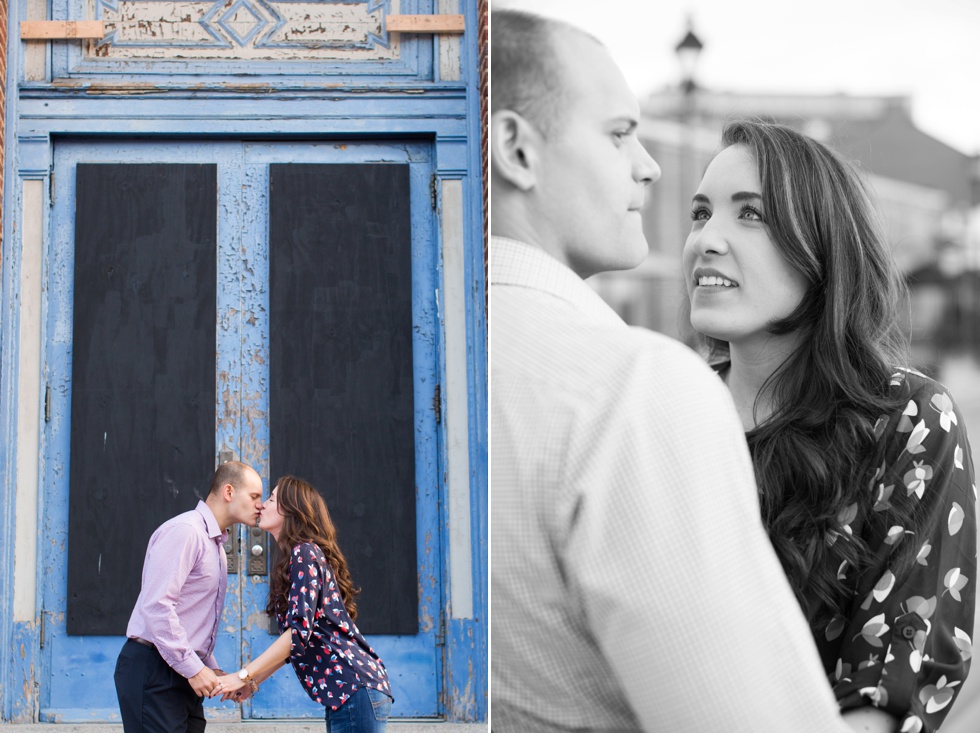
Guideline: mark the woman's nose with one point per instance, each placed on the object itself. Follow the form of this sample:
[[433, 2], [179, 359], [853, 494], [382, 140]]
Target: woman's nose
[[710, 239]]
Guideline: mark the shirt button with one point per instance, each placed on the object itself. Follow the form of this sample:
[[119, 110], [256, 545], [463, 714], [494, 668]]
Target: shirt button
[[908, 631]]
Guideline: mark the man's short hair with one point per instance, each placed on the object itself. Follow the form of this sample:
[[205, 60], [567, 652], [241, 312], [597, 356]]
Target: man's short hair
[[525, 71], [229, 472]]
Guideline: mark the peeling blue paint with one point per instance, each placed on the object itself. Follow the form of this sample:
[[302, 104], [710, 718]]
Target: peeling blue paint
[[23, 679]]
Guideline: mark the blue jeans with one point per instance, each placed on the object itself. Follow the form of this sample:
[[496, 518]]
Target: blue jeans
[[365, 712]]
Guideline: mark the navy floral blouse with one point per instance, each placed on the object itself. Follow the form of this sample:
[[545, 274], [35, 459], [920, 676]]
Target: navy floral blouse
[[329, 655], [905, 644]]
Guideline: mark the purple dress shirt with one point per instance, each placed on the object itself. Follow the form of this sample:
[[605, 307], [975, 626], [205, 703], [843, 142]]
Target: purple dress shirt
[[185, 575]]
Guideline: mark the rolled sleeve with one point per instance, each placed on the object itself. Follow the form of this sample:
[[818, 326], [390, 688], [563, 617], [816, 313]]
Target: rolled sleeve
[[303, 598]]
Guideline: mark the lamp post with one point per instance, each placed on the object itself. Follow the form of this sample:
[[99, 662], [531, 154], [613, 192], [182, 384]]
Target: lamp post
[[688, 51]]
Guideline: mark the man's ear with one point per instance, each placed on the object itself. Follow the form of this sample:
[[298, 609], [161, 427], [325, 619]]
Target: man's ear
[[227, 492], [514, 144]]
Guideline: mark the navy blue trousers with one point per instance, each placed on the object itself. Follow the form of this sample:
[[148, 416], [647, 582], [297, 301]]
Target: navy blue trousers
[[153, 698]]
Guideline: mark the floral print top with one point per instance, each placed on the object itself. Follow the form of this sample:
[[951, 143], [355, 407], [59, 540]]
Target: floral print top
[[329, 655], [906, 642]]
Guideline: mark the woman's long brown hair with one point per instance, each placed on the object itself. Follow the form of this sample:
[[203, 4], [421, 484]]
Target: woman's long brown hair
[[305, 519], [816, 455]]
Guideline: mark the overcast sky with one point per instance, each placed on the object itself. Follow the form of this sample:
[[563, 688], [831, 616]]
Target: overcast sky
[[928, 50]]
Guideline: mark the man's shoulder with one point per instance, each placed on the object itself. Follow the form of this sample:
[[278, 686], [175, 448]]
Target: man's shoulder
[[623, 346], [532, 324], [652, 359], [186, 524], [562, 355]]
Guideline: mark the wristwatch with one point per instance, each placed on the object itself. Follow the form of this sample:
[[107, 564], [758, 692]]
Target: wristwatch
[[244, 676]]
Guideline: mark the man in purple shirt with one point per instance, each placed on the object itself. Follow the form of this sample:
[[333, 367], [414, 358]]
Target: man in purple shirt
[[167, 665]]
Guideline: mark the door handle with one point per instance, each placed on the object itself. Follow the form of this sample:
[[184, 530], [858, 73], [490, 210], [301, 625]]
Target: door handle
[[258, 542], [231, 555]]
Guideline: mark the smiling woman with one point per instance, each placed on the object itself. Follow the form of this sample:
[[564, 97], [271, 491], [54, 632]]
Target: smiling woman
[[754, 284], [863, 467]]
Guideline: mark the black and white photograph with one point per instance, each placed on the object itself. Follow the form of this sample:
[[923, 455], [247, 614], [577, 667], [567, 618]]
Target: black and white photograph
[[243, 366], [734, 365]]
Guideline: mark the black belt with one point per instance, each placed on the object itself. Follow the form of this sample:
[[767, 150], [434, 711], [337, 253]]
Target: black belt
[[144, 642]]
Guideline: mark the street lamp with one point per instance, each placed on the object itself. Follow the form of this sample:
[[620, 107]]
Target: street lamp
[[688, 51]]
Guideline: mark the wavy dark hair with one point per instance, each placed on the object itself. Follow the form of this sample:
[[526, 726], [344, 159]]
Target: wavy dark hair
[[305, 519], [816, 453]]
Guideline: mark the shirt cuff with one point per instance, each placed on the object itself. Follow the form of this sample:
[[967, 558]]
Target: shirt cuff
[[189, 666], [297, 642]]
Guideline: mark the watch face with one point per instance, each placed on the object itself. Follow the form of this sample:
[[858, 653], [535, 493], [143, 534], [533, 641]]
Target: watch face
[[243, 674]]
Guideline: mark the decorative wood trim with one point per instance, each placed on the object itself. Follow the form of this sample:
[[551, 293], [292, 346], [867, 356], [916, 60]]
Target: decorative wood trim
[[425, 23], [47, 30]]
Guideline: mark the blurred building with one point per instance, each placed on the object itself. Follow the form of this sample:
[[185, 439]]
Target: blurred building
[[927, 193]]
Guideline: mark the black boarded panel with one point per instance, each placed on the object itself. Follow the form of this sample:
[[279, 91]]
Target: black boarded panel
[[143, 374], [341, 393]]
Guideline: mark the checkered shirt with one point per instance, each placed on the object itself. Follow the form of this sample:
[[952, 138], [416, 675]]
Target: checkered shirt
[[633, 587]]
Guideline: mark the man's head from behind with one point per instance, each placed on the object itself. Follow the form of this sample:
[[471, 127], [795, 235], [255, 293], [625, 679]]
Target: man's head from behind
[[568, 172], [236, 494]]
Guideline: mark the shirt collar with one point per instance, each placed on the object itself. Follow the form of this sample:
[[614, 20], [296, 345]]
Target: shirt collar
[[524, 265], [210, 523]]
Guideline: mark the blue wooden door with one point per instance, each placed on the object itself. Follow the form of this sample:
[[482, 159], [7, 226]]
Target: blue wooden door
[[79, 667]]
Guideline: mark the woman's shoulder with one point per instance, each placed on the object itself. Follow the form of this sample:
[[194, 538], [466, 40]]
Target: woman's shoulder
[[308, 550], [924, 412], [909, 385]]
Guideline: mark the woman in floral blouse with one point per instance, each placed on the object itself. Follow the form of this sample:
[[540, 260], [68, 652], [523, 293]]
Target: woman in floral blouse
[[311, 595], [864, 468]]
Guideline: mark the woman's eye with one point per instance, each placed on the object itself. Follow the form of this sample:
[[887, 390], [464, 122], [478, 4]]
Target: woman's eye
[[700, 214], [750, 213]]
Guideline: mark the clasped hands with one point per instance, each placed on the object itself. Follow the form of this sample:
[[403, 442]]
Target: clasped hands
[[230, 687]]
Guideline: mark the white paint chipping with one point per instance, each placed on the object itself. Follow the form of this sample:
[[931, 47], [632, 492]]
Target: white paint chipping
[[457, 401], [248, 30], [28, 404], [36, 52], [449, 66]]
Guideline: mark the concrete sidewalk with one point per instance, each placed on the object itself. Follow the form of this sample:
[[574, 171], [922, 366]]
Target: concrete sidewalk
[[265, 726]]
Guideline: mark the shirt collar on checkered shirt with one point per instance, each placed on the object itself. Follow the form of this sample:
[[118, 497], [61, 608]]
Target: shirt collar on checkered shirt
[[516, 263], [211, 523]]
